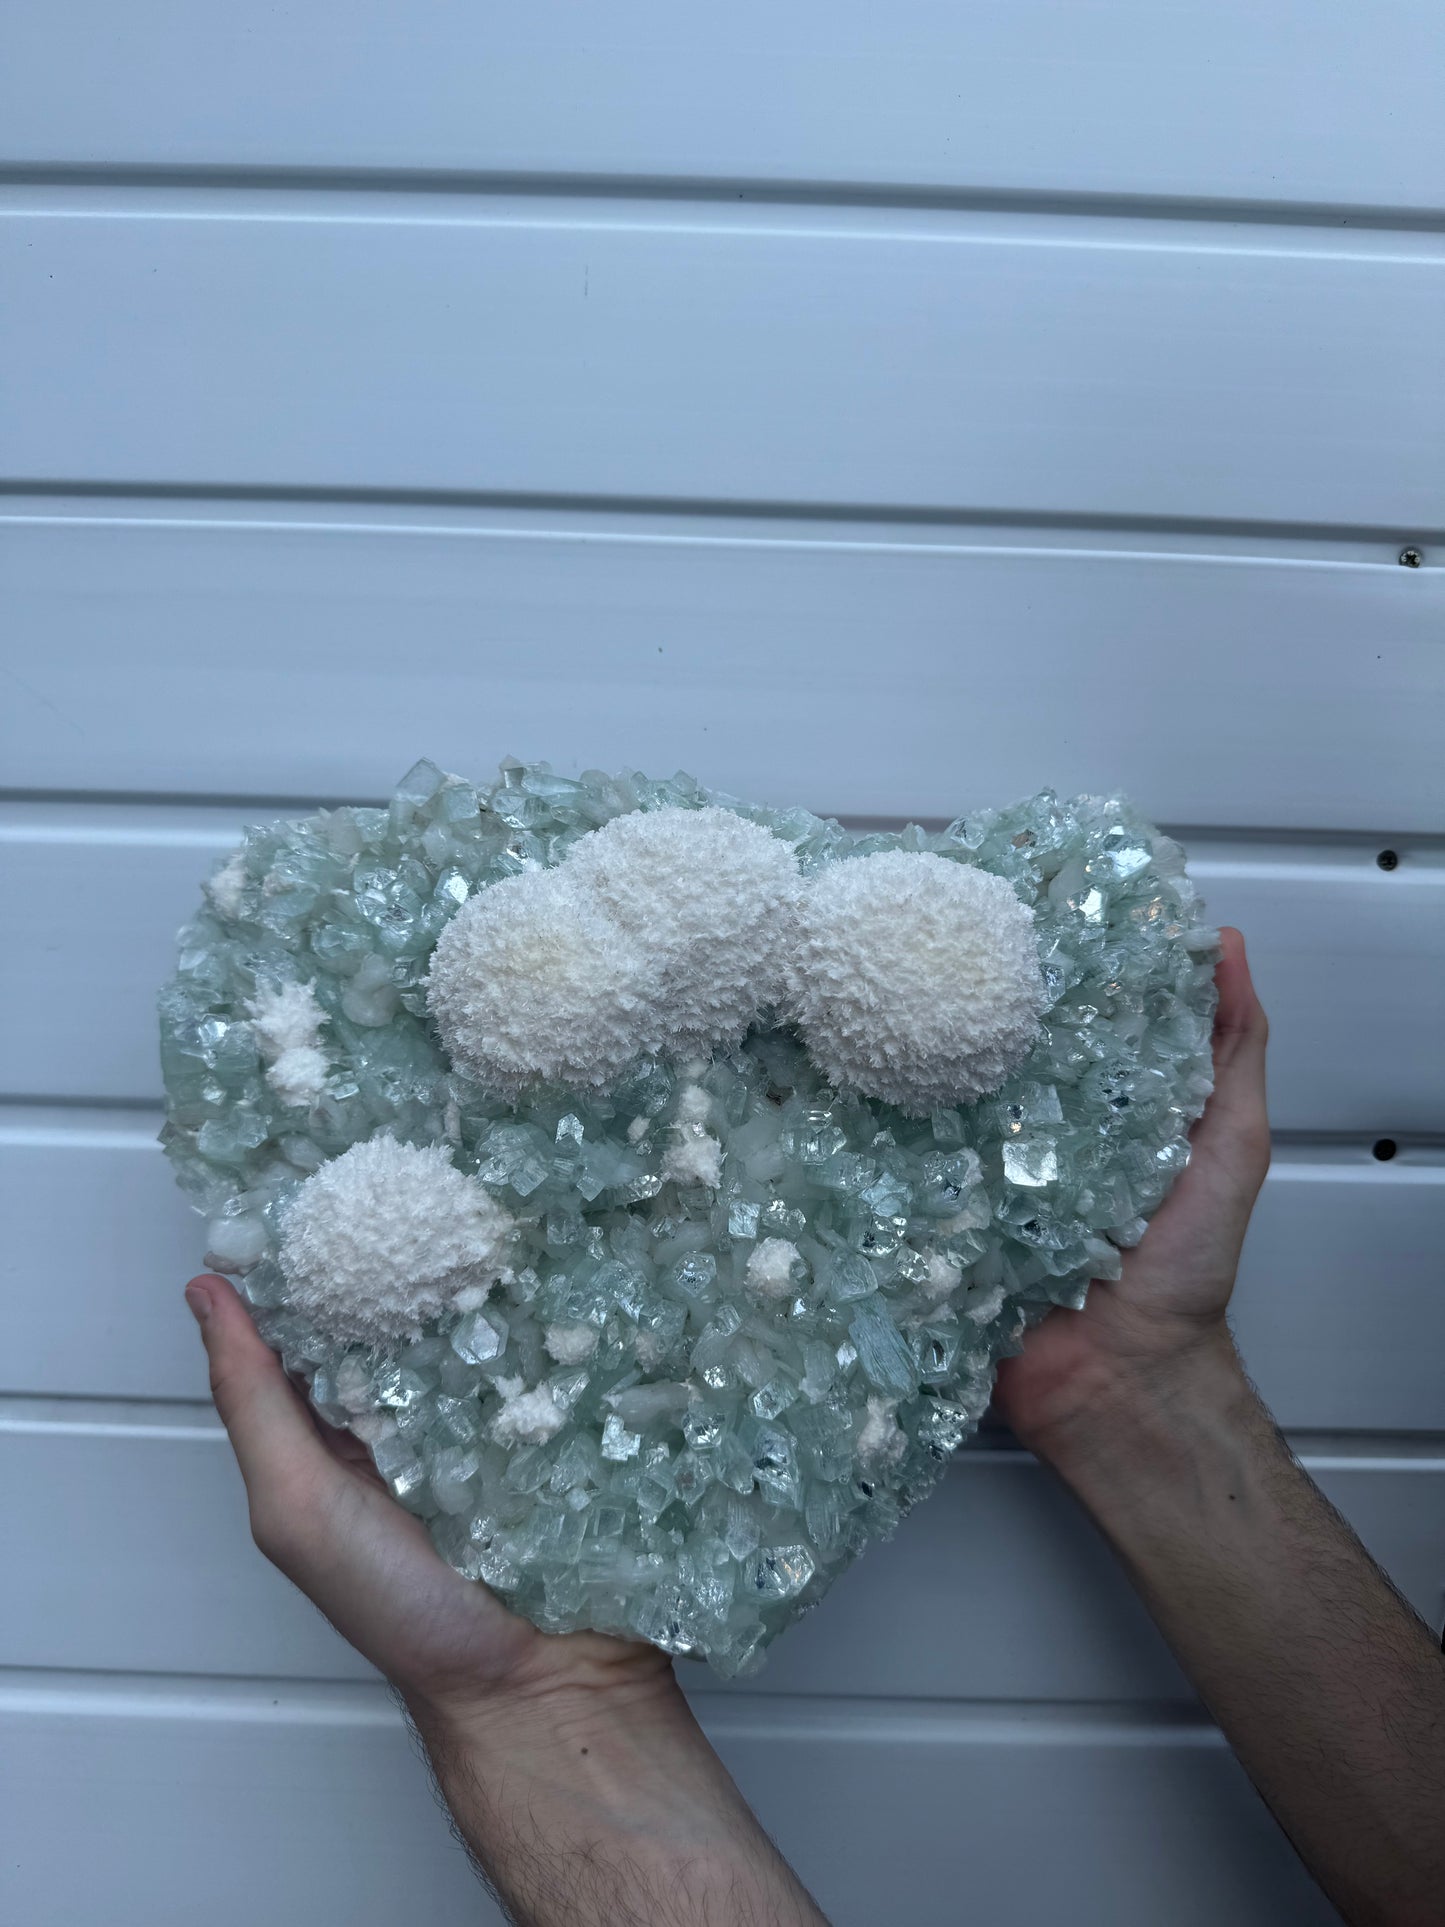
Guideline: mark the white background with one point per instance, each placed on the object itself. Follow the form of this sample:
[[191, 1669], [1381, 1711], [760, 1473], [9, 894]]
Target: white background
[[891, 409]]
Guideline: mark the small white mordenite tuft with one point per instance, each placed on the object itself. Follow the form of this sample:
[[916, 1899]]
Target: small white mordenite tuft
[[287, 1020], [915, 979], [383, 1238]]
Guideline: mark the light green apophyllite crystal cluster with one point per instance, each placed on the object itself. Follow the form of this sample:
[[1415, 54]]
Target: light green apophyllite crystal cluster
[[745, 1369]]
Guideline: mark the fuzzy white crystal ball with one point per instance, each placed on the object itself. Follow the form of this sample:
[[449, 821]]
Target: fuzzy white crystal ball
[[381, 1239], [915, 979], [531, 982], [664, 931], [712, 896]]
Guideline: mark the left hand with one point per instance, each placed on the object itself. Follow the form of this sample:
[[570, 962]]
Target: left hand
[[321, 1514]]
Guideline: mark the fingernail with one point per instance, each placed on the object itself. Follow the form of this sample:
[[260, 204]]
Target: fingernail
[[199, 1300]]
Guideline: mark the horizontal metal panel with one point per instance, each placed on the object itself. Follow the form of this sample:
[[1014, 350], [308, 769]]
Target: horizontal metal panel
[[946, 362], [995, 1588], [1345, 954], [879, 671], [1225, 100], [295, 1803], [1337, 1311]]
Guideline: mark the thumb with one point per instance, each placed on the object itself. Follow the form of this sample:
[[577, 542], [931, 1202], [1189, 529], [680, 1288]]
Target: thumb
[[276, 1444], [1234, 1129]]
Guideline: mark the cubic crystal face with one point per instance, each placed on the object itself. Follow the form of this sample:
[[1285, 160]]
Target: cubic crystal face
[[741, 1317]]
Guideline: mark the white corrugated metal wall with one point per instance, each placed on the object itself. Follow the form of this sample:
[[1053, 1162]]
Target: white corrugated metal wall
[[888, 408]]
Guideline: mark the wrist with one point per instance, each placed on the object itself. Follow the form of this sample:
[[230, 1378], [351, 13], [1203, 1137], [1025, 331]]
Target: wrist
[[588, 1806], [1148, 1408], [545, 1719]]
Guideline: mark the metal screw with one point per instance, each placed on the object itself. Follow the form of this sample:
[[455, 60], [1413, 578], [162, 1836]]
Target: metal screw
[[1410, 558], [1388, 859], [1384, 1149]]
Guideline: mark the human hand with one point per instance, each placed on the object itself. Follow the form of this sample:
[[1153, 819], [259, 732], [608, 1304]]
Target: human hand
[[1329, 1689], [320, 1512], [572, 1765], [1168, 1309]]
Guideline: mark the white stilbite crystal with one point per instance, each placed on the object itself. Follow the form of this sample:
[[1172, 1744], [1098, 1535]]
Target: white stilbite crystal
[[286, 1020], [694, 1105], [693, 1157], [526, 1417], [382, 1238], [353, 1384], [570, 1344], [984, 1305], [237, 1243], [372, 1427], [648, 1348], [770, 1267], [915, 979], [882, 1440], [227, 884], [944, 1276], [298, 1076]]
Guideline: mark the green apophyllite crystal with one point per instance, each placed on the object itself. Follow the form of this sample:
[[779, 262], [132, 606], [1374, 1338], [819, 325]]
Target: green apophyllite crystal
[[690, 1404]]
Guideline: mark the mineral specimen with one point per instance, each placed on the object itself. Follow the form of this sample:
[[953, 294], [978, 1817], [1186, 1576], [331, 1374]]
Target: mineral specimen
[[388, 1236], [654, 1181], [941, 1017]]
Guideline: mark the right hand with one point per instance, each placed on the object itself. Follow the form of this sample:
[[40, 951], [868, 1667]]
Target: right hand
[[1168, 1309]]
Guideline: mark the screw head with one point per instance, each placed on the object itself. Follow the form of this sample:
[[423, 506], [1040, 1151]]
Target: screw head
[[1388, 860], [1411, 558]]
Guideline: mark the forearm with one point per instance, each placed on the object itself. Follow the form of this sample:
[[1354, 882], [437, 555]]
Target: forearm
[[1328, 1687], [602, 1815]]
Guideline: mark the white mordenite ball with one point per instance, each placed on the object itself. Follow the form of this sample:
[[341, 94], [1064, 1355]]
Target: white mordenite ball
[[529, 982], [915, 979], [711, 897], [382, 1239], [286, 1021], [665, 931]]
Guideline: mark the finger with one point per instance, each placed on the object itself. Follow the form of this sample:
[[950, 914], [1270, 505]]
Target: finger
[[270, 1431], [1239, 1021], [1241, 1035]]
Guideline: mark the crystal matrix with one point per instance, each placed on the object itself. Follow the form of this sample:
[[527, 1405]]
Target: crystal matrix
[[744, 1317]]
